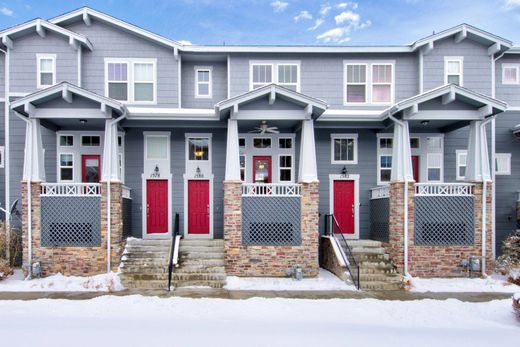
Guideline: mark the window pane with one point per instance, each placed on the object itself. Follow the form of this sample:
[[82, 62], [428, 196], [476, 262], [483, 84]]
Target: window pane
[[198, 149], [382, 73], [46, 65], [202, 75], [386, 161], [462, 171], [66, 174], [356, 73], [118, 91], [285, 161], [434, 142], [90, 141], [434, 160], [262, 143], [143, 72], [385, 143], [203, 89], [285, 143], [454, 79], [262, 73], [117, 72], [285, 175], [242, 143], [143, 91], [157, 147], [287, 74], [46, 78], [434, 174], [343, 149], [414, 142], [66, 160], [510, 75], [66, 140], [385, 175], [381, 93], [356, 93], [453, 67]]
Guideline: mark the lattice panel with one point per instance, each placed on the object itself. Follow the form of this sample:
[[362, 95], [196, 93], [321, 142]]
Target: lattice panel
[[70, 221], [379, 219], [444, 220], [127, 218], [271, 221]]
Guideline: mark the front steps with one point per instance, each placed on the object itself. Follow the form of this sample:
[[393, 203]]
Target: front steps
[[376, 271]]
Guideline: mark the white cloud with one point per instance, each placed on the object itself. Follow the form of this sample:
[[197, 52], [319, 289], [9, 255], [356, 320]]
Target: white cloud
[[512, 3], [344, 5], [347, 16], [317, 23], [325, 9], [279, 6], [302, 15], [337, 35], [6, 11], [185, 42]]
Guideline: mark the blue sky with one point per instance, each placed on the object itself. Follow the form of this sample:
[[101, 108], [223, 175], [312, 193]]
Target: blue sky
[[384, 22]]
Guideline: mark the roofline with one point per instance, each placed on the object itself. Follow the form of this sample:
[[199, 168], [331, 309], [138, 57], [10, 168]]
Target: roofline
[[296, 49]]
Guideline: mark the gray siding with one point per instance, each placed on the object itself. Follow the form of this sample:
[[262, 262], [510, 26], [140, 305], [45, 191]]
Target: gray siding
[[509, 93], [2, 170], [477, 65], [2, 75], [23, 64], [110, 42], [219, 82]]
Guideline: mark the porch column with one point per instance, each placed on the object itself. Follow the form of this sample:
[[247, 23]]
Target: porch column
[[232, 152], [477, 159], [33, 167], [110, 167], [308, 170], [401, 153]]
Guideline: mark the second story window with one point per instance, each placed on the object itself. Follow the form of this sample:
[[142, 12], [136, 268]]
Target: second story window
[[369, 82], [510, 74], [262, 74], [284, 73], [118, 81], [203, 82], [453, 70], [131, 80], [288, 76], [143, 82], [381, 83], [46, 76]]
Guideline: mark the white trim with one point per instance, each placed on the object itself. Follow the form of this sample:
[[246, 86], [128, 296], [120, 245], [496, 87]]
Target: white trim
[[130, 63], [179, 82], [354, 137], [39, 57], [440, 167], [516, 67], [352, 177], [291, 180], [460, 60], [274, 73], [368, 82], [507, 158], [2, 153], [458, 154], [198, 69], [60, 180]]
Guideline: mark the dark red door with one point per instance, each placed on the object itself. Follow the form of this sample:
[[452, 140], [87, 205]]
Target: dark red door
[[415, 167], [344, 205], [90, 168], [157, 206], [262, 169], [198, 207]]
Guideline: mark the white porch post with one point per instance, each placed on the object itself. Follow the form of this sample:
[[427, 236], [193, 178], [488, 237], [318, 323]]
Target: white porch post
[[308, 171], [110, 167], [401, 153], [477, 159], [232, 152], [33, 168]]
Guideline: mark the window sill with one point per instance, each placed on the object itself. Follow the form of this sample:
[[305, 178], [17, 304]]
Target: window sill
[[344, 162]]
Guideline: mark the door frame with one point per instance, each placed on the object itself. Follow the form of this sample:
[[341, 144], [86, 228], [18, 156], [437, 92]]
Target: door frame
[[269, 168], [186, 234], [83, 166], [350, 177]]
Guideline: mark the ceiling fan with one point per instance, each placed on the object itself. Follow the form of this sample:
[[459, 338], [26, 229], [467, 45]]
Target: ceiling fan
[[264, 128]]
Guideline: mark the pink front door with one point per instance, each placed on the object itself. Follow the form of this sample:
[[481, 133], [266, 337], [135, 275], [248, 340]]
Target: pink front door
[[198, 207], [344, 205], [157, 206]]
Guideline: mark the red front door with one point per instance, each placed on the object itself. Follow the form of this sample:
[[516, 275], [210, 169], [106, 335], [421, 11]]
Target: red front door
[[156, 206], [90, 168], [198, 207], [262, 169], [415, 167], [344, 205]]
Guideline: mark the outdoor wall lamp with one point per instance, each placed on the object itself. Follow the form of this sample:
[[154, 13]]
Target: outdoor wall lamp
[[83, 121], [425, 122]]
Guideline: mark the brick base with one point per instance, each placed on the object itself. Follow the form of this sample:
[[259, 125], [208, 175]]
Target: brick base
[[74, 260], [270, 261]]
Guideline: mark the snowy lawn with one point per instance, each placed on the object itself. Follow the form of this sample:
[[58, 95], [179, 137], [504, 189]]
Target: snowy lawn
[[151, 321], [495, 283], [59, 283], [324, 281]]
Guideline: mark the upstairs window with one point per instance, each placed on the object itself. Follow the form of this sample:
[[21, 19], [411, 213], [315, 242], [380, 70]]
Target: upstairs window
[[356, 84], [368, 82], [203, 82], [46, 70], [288, 76], [262, 75], [283, 73], [510, 74], [381, 83], [118, 81], [131, 80], [453, 70], [144, 82], [503, 164]]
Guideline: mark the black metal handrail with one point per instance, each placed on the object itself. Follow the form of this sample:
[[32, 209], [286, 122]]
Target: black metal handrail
[[331, 224], [172, 250]]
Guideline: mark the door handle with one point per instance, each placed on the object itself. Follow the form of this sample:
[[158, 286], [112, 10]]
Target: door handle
[[208, 209], [352, 209]]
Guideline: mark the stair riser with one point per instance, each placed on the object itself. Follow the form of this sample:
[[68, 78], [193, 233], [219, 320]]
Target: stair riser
[[201, 256], [180, 284]]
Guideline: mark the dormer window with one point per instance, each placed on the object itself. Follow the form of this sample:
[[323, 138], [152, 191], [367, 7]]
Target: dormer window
[[453, 70], [46, 76]]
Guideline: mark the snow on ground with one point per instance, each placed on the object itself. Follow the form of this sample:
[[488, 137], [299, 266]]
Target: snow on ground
[[59, 283], [324, 281], [495, 283], [151, 321]]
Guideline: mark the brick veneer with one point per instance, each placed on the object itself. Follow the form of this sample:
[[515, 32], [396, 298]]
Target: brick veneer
[[74, 260], [329, 259], [272, 261], [434, 261]]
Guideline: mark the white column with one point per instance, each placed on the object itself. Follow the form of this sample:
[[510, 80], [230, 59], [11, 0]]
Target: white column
[[401, 153], [232, 152], [110, 166], [477, 159], [33, 167], [308, 171]]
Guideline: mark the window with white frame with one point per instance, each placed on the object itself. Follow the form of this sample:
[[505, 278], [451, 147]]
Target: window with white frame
[[203, 82], [66, 167], [503, 163], [261, 74], [285, 166], [243, 168], [121, 157], [2, 153], [461, 161], [368, 82], [131, 80], [262, 142], [117, 81], [356, 83], [198, 148], [66, 141], [157, 147], [90, 140], [434, 166], [285, 143], [381, 83], [284, 73], [384, 159], [453, 70], [288, 76], [46, 75], [242, 143], [344, 148], [144, 82], [510, 74]]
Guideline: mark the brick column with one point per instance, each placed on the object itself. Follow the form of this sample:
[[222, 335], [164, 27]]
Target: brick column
[[232, 225], [116, 222], [36, 225], [309, 226], [489, 223]]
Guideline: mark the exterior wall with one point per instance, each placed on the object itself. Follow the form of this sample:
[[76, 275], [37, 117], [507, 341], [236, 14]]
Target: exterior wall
[[110, 42], [509, 93], [219, 84], [477, 64], [2, 170]]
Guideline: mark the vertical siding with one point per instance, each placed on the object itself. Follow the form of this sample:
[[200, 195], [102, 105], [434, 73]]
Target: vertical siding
[[219, 84], [110, 42], [23, 64], [509, 93]]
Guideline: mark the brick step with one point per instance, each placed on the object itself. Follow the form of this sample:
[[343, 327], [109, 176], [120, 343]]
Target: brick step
[[144, 270], [201, 255], [145, 263], [364, 278], [138, 248], [144, 276], [371, 258], [199, 277], [197, 269], [214, 243], [189, 262], [377, 271], [155, 284], [212, 284], [363, 243], [367, 250], [141, 242], [201, 249], [148, 255]]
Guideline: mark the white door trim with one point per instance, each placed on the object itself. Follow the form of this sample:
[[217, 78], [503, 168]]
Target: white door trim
[[186, 234], [350, 177]]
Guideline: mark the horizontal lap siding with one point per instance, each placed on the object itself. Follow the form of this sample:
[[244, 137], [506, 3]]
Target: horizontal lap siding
[[509, 93], [219, 84]]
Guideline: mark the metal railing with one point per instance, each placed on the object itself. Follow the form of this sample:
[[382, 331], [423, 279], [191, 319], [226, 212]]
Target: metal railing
[[444, 189], [380, 192], [173, 262], [71, 189], [333, 229], [271, 189]]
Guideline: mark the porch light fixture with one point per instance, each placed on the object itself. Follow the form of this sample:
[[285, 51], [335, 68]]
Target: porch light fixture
[[425, 122], [344, 172], [83, 121], [199, 154]]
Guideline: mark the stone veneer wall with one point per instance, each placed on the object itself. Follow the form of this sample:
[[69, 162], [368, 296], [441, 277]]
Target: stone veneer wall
[[434, 261], [74, 260], [273, 261]]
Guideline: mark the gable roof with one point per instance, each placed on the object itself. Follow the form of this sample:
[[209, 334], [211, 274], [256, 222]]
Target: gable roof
[[40, 25], [84, 14]]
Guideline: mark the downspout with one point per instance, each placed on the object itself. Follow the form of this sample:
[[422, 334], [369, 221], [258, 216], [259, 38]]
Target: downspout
[[484, 203], [7, 156]]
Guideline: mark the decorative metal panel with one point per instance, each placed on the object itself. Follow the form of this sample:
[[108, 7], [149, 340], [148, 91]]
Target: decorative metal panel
[[271, 221], [70, 221], [444, 220], [379, 219], [127, 217]]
